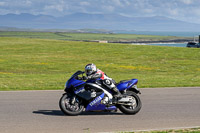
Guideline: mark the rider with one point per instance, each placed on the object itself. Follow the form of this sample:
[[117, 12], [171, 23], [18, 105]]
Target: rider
[[93, 73]]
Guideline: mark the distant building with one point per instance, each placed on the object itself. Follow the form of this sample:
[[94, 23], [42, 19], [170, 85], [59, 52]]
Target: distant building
[[103, 41]]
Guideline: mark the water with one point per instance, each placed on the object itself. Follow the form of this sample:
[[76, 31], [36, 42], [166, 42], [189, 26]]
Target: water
[[164, 44], [164, 33], [170, 44], [167, 33]]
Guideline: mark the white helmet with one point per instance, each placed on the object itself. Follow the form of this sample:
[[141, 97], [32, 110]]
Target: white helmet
[[90, 69]]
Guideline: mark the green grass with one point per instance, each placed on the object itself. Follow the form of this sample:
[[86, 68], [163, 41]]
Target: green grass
[[87, 36], [190, 130], [27, 64]]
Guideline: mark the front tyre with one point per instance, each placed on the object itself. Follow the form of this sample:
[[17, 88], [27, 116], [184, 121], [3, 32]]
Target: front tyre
[[132, 108], [70, 104]]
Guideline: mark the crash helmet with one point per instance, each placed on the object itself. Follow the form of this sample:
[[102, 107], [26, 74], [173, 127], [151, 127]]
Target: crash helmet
[[90, 69]]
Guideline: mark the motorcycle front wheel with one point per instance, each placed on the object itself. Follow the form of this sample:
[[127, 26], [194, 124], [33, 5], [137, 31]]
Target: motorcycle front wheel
[[134, 108], [70, 105]]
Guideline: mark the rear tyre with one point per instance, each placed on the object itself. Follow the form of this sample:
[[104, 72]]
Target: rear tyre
[[70, 105], [134, 108]]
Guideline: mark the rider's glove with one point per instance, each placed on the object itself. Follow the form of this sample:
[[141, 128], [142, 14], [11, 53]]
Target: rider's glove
[[85, 78], [89, 77]]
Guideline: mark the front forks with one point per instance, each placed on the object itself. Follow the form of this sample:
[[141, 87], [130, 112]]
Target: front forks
[[73, 100]]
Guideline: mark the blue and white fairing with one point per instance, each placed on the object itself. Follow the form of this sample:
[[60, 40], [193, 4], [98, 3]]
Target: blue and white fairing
[[73, 81], [125, 85], [96, 104]]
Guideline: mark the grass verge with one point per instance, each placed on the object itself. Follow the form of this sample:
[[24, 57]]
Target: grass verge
[[190, 130]]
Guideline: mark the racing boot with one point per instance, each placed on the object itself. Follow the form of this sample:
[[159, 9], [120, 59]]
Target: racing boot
[[117, 93]]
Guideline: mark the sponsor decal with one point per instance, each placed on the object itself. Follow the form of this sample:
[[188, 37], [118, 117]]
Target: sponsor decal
[[80, 90], [108, 82], [96, 100]]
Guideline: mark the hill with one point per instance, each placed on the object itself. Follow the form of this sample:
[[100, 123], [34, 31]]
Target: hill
[[96, 21]]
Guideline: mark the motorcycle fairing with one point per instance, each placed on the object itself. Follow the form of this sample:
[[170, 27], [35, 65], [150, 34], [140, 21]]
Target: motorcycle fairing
[[74, 82], [86, 95], [124, 85], [96, 104]]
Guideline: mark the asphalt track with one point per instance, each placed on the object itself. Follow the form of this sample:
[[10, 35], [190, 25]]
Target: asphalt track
[[38, 112]]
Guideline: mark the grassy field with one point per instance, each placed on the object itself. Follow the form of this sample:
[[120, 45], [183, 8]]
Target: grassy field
[[190, 130], [87, 36], [27, 64]]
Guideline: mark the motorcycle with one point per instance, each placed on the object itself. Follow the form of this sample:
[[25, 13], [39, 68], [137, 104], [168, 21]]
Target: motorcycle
[[93, 95]]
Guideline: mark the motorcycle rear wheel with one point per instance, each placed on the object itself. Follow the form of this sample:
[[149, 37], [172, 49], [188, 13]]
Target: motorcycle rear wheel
[[68, 107], [131, 110]]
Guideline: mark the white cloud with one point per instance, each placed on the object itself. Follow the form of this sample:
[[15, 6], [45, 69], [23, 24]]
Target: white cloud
[[4, 11], [28, 2], [148, 10], [121, 3], [54, 7], [187, 2], [173, 12], [178, 9], [127, 2], [108, 8], [117, 2], [196, 11], [84, 3], [125, 15], [2, 3]]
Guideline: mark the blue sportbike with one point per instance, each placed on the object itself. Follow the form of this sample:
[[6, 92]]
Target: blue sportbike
[[92, 95]]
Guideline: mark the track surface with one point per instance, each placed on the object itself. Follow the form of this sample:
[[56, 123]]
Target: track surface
[[38, 111]]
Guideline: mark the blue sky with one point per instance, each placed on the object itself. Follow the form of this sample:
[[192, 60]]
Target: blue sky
[[186, 10]]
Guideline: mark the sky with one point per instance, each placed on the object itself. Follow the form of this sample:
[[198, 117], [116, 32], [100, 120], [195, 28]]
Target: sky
[[186, 10]]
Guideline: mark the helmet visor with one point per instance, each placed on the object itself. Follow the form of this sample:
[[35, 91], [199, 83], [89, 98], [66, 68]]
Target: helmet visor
[[88, 70]]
